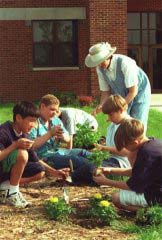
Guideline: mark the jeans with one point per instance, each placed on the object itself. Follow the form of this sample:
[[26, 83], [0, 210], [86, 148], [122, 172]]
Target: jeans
[[83, 170]]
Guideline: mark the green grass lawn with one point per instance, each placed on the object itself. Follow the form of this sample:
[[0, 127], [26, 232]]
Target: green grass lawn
[[154, 122]]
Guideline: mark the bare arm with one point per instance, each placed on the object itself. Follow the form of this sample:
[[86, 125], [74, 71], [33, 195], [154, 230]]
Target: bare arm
[[131, 94], [55, 131], [4, 153], [103, 97], [22, 143], [70, 143], [118, 171], [113, 150], [102, 180], [62, 173]]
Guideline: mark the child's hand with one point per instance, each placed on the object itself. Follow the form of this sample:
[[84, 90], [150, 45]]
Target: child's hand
[[57, 131], [101, 170], [100, 179], [24, 143], [98, 146], [106, 170], [62, 173]]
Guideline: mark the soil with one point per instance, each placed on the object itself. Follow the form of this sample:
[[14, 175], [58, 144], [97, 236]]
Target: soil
[[32, 222]]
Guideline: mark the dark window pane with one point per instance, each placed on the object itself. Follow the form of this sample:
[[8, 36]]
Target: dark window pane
[[145, 59], [155, 36], [157, 68], [64, 55], [133, 20], [134, 37], [152, 20], [42, 31], [144, 21], [42, 54], [134, 53], [64, 31], [159, 21], [145, 37]]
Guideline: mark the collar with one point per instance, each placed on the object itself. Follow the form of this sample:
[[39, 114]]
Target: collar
[[17, 134]]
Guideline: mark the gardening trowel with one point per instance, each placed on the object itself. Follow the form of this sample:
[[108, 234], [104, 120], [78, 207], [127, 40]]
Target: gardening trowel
[[69, 179]]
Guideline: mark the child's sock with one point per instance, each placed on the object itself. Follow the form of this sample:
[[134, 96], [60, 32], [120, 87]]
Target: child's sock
[[5, 185], [13, 189]]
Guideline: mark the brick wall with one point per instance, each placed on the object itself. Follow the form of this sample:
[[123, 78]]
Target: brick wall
[[18, 80], [106, 21], [144, 5]]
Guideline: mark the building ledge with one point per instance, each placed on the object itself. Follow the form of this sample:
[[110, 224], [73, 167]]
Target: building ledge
[[54, 68]]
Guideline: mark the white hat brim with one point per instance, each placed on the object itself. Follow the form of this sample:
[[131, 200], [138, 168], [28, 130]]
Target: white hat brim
[[90, 62]]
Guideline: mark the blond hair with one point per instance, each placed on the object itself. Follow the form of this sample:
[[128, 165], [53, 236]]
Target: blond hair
[[114, 103], [128, 131], [49, 99]]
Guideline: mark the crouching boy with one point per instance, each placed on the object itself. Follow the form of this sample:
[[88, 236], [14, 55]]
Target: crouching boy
[[144, 186], [18, 162]]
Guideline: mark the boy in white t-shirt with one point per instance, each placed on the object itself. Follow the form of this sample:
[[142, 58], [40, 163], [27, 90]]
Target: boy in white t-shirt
[[73, 116]]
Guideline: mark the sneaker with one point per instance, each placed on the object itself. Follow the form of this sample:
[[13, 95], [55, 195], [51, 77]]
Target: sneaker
[[3, 195], [16, 199]]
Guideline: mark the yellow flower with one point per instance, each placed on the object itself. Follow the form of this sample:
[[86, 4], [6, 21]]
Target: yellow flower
[[104, 203], [53, 199], [97, 196]]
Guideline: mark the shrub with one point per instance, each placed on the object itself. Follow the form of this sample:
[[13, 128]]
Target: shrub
[[85, 137], [57, 209], [149, 216], [97, 157], [66, 98], [85, 100]]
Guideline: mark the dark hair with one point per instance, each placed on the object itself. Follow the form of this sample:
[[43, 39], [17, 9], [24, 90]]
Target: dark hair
[[128, 131], [25, 109], [114, 103]]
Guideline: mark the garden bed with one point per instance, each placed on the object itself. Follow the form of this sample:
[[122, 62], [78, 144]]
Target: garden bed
[[32, 222]]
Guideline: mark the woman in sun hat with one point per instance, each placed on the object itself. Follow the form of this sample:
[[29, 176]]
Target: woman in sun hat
[[119, 74]]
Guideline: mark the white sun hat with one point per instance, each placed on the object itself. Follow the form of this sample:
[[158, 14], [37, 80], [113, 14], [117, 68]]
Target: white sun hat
[[98, 53]]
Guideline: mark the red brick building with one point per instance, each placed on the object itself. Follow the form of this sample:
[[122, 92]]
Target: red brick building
[[44, 43]]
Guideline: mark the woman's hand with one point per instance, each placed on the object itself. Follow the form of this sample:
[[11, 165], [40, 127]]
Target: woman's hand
[[97, 110]]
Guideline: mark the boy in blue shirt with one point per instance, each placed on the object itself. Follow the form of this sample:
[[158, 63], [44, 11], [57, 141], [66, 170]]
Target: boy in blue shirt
[[48, 148]]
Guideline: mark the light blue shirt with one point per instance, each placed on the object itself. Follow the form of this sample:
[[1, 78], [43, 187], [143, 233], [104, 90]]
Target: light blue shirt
[[51, 146]]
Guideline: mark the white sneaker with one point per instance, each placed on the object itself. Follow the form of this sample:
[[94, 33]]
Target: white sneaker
[[3, 195], [16, 199]]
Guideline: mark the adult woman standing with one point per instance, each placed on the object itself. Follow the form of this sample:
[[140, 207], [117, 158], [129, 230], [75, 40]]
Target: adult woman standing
[[119, 74]]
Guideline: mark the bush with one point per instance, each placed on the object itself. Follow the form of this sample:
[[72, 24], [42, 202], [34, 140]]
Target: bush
[[97, 157], [85, 137], [66, 98], [85, 100], [149, 216]]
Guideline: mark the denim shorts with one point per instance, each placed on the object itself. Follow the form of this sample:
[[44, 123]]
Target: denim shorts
[[132, 198]]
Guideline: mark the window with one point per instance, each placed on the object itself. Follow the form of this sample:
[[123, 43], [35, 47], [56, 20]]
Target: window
[[55, 43], [144, 30]]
